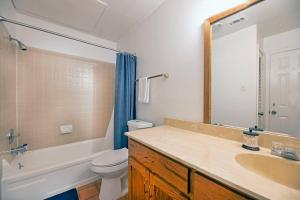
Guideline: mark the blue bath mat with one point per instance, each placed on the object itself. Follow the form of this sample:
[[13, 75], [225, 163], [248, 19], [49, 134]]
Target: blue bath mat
[[68, 195]]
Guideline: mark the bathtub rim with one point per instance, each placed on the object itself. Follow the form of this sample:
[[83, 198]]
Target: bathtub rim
[[36, 172], [33, 173]]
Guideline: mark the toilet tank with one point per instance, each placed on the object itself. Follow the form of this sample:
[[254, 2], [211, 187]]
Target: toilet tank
[[138, 124]]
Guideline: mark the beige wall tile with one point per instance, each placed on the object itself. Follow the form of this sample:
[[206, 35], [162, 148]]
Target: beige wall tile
[[56, 89], [7, 87]]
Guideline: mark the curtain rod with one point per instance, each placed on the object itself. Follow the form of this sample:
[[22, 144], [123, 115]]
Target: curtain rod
[[3, 19]]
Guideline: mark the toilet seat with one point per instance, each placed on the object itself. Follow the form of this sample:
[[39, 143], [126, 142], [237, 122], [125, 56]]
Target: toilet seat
[[111, 158], [111, 163], [112, 168]]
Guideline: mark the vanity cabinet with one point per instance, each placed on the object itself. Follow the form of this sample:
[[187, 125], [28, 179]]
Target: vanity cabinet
[[161, 190], [144, 185], [206, 189], [138, 184], [154, 176]]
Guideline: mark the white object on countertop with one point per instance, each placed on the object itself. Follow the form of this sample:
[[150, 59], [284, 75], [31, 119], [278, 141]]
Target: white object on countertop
[[144, 90], [138, 124]]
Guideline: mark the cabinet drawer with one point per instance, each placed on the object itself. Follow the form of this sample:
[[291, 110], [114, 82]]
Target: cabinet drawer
[[171, 171], [207, 189], [160, 190]]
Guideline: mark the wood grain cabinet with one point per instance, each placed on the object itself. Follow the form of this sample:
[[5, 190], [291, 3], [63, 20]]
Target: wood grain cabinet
[[161, 190], [138, 184], [153, 176], [206, 189]]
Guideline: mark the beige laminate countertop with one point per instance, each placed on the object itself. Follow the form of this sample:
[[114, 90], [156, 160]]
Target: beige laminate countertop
[[214, 157]]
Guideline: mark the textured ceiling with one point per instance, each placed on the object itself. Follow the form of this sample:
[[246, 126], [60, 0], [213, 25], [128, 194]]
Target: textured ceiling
[[108, 19]]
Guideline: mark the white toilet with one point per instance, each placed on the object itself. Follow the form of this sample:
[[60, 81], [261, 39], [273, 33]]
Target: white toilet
[[112, 166]]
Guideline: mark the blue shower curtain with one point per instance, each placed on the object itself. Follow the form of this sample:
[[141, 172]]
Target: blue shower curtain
[[125, 108]]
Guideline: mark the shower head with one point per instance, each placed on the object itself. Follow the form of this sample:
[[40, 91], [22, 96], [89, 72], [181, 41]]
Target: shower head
[[21, 45]]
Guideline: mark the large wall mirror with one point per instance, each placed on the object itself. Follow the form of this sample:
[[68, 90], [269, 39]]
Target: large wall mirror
[[252, 66]]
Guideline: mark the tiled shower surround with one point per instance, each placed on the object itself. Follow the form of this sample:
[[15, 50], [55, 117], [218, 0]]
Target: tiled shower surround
[[7, 86], [54, 89]]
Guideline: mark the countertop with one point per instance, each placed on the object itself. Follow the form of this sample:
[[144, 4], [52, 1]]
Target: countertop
[[214, 157]]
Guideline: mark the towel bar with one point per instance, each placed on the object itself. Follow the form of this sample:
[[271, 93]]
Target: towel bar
[[166, 75]]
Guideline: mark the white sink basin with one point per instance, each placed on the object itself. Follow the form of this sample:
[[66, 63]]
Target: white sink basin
[[280, 170]]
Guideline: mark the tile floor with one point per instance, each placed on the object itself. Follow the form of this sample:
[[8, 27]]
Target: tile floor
[[91, 192]]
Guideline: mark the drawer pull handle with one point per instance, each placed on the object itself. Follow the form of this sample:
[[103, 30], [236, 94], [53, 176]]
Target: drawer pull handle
[[150, 193], [148, 159], [145, 187], [173, 171]]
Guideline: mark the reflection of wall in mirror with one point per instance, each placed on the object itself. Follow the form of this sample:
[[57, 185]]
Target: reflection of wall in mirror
[[234, 78]]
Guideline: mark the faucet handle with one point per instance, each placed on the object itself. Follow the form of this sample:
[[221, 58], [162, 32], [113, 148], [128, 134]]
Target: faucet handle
[[285, 151], [277, 148], [25, 146], [291, 153]]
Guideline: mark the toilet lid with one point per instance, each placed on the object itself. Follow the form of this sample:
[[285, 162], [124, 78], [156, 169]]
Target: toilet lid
[[111, 158]]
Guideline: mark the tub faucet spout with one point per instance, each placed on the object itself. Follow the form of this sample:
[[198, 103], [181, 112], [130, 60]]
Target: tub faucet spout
[[21, 149]]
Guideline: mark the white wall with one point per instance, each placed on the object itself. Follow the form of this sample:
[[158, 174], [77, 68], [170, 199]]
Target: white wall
[[234, 78], [282, 41], [171, 41], [37, 39]]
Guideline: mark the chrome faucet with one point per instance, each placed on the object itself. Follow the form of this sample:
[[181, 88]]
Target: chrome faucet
[[21, 149], [288, 152]]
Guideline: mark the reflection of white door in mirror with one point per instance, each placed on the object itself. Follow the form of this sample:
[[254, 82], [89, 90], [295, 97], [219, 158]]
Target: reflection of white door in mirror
[[252, 68], [284, 104], [261, 90]]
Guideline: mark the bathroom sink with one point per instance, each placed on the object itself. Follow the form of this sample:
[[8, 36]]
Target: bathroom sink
[[280, 170]]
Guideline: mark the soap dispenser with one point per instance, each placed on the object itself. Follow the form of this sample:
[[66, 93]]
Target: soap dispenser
[[251, 139]]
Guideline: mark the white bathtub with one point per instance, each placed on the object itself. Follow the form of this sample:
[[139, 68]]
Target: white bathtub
[[50, 171]]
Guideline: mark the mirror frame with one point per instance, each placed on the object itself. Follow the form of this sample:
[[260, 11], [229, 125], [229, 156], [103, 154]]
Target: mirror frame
[[208, 49]]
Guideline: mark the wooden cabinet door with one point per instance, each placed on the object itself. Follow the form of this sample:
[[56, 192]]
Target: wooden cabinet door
[[172, 172], [206, 189], [160, 190], [138, 181]]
